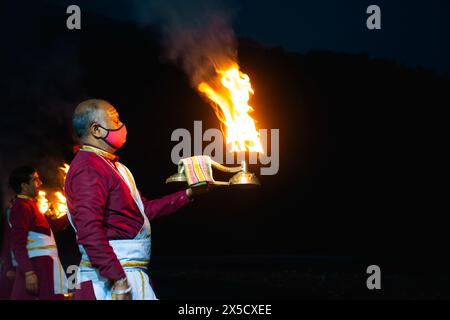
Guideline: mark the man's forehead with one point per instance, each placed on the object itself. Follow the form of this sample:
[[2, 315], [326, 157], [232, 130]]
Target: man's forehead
[[106, 111], [112, 112]]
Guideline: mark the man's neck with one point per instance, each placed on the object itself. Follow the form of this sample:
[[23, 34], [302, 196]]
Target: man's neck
[[100, 152], [99, 144]]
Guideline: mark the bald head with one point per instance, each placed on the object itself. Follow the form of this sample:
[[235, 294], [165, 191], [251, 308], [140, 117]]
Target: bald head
[[93, 120], [88, 112]]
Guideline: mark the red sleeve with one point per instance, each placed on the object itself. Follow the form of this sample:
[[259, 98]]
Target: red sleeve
[[6, 246], [87, 192], [22, 217], [166, 205]]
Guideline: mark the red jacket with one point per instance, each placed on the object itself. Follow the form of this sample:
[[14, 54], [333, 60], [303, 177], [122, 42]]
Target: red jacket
[[103, 209]]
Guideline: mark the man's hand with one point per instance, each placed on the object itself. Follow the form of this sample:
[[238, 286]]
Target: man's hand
[[11, 274], [31, 282], [194, 192], [121, 285]]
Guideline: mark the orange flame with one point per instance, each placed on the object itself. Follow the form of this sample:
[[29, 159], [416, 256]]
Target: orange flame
[[42, 202], [60, 205], [57, 208], [229, 94]]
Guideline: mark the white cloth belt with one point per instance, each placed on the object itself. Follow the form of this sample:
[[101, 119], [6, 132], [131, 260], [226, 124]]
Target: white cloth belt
[[134, 255], [39, 245]]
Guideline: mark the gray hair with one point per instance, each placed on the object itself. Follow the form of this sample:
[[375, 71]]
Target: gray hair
[[84, 115]]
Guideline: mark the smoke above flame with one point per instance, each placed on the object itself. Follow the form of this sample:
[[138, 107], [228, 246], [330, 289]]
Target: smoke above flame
[[198, 36]]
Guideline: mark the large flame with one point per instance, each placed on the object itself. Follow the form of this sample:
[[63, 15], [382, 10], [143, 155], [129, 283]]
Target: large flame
[[58, 207], [230, 94]]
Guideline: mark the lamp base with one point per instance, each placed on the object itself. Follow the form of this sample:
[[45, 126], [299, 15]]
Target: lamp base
[[244, 178], [177, 177]]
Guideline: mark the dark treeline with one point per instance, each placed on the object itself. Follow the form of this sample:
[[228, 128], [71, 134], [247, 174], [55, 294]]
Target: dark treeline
[[361, 139]]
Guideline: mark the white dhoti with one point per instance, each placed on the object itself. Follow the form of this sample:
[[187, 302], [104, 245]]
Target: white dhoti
[[134, 256], [39, 245]]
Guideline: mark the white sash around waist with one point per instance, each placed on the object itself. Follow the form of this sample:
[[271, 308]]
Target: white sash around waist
[[134, 256], [39, 245]]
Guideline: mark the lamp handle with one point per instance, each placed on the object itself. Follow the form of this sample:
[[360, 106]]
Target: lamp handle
[[220, 167]]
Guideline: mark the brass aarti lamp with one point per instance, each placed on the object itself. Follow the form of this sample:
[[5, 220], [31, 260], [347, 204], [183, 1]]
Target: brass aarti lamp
[[242, 176]]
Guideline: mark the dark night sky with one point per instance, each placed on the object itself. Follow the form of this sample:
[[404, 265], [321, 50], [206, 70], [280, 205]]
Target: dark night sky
[[413, 32]]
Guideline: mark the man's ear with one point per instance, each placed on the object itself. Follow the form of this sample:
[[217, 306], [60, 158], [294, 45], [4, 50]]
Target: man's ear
[[96, 131], [23, 186]]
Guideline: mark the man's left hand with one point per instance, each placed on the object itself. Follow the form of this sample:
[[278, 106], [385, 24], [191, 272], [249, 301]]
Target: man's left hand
[[121, 285]]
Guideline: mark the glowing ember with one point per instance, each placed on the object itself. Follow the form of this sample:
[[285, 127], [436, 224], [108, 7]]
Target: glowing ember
[[230, 94], [58, 207]]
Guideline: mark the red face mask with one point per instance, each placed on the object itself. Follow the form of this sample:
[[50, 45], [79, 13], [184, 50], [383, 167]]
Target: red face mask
[[116, 137]]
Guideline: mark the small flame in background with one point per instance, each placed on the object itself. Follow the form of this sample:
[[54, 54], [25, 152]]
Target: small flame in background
[[42, 201], [57, 208], [229, 93]]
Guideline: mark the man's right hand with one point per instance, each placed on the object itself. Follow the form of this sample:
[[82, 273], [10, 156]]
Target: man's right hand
[[31, 282]]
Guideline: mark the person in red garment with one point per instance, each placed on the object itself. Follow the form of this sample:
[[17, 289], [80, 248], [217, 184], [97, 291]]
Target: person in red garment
[[39, 272], [108, 213], [8, 263]]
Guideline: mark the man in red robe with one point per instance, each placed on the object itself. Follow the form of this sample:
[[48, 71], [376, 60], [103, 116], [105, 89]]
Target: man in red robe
[[110, 216], [39, 272], [8, 264]]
